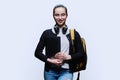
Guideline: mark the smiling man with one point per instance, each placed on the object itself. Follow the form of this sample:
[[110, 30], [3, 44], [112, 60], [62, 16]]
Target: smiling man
[[60, 15], [59, 56]]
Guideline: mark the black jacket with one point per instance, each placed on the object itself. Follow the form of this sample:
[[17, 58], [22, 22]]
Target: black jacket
[[51, 42]]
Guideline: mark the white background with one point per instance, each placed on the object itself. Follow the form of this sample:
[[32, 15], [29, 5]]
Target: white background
[[23, 21]]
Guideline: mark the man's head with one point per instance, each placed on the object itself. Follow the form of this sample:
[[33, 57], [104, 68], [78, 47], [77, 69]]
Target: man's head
[[60, 15]]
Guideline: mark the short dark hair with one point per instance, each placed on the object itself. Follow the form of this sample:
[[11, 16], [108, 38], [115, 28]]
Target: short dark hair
[[60, 5]]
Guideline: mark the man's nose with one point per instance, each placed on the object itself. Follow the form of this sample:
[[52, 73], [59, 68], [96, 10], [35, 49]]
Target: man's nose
[[60, 16]]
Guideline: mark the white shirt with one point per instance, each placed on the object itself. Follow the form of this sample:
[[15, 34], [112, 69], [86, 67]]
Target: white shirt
[[64, 45]]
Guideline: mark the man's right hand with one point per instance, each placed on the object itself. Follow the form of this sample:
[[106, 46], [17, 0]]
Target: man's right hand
[[54, 61]]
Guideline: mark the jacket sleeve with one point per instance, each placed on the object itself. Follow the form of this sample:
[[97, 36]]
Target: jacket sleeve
[[78, 47], [39, 49]]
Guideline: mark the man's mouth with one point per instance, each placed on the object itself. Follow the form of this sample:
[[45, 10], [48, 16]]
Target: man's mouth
[[60, 21]]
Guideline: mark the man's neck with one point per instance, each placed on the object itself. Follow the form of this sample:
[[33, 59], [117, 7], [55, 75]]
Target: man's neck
[[60, 26]]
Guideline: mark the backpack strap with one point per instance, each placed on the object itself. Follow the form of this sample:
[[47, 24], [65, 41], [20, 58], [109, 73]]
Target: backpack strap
[[72, 34], [78, 77]]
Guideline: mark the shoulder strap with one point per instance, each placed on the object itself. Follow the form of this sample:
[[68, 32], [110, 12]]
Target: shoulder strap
[[72, 35]]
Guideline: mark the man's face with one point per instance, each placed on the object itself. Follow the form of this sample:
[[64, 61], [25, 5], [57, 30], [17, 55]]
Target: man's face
[[60, 16]]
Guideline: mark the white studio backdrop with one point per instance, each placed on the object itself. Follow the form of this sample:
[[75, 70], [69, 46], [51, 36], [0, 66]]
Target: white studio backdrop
[[23, 21]]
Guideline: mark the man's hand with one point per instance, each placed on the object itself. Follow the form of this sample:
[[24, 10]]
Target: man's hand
[[62, 56], [54, 61]]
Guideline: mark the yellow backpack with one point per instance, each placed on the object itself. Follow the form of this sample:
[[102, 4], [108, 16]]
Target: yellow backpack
[[82, 64]]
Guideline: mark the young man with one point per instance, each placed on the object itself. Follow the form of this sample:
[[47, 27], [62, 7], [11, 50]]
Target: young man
[[59, 56]]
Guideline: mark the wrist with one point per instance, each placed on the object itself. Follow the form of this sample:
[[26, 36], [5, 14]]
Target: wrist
[[48, 60], [69, 57]]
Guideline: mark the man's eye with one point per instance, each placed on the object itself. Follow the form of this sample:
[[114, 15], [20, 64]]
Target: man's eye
[[56, 14], [63, 14]]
